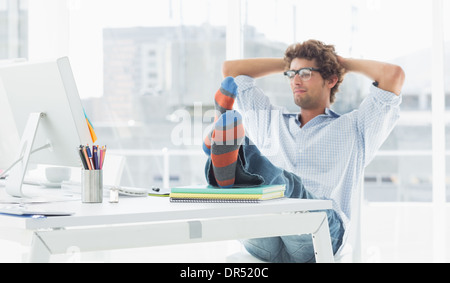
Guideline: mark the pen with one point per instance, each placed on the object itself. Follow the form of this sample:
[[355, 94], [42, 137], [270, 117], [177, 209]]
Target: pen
[[88, 150], [101, 158], [83, 160], [103, 154], [86, 157], [95, 157]]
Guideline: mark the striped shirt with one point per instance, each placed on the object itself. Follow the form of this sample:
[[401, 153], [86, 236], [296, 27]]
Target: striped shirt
[[330, 152]]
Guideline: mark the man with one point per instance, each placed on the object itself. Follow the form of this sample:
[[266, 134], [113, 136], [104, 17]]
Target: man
[[318, 153]]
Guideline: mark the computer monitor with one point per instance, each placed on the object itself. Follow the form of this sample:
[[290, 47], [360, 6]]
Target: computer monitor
[[46, 109]]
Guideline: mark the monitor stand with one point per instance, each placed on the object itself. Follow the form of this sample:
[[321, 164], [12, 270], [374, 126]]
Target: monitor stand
[[17, 173]]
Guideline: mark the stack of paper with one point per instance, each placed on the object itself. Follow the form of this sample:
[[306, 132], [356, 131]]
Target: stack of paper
[[214, 194]]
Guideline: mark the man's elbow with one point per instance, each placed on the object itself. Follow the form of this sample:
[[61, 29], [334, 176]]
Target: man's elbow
[[398, 75], [232, 68], [394, 78], [227, 69]]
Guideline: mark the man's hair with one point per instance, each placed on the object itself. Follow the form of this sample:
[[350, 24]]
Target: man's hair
[[325, 57]]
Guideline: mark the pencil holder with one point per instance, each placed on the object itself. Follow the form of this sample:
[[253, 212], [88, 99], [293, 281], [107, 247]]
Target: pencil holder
[[92, 186]]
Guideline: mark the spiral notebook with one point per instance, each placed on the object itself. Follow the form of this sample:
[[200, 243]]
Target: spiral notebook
[[209, 194]]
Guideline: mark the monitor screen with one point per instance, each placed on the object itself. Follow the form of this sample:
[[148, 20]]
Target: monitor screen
[[9, 137], [49, 88]]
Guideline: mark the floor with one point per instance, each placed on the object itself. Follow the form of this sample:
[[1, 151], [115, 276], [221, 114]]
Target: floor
[[405, 233]]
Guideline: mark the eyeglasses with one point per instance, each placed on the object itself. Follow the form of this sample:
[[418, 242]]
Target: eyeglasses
[[304, 73]]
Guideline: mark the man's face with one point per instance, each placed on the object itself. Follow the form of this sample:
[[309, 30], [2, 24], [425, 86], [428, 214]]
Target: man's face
[[311, 94]]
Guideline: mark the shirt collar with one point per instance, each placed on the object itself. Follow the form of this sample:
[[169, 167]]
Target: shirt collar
[[328, 114], [331, 113]]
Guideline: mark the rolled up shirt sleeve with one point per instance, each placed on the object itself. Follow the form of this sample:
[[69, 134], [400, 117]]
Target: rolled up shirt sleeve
[[376, 118]]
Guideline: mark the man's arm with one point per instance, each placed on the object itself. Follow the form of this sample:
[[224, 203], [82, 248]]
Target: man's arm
[[389, 77], [255, 68]]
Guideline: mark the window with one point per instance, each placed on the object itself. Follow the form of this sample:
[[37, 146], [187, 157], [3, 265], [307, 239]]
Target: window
[[13, 29], [147, 73], [161, 67]]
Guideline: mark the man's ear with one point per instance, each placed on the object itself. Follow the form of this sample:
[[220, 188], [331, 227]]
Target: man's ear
[[332, 82]]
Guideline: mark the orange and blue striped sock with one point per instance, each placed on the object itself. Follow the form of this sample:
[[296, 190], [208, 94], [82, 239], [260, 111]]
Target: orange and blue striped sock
[[224, 101], [227, 138]]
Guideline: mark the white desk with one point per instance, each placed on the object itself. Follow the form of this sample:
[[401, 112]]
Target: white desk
[[153, 221]]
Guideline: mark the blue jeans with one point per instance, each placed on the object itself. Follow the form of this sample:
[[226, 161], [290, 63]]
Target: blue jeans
[[255, 169]]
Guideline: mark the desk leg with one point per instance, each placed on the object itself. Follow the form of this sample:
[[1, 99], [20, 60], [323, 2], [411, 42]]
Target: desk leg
[[322, 242], [40, 253]]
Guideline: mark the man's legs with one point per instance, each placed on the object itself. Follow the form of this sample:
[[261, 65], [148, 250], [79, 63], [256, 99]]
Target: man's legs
[[253, 169], [295, 248], [285, 249]]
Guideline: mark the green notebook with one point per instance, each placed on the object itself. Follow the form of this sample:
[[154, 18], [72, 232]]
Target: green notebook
[[213, 194]]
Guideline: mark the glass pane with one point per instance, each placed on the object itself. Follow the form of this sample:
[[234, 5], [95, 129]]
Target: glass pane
[[13, 29], [147, 72], [374, 29]]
